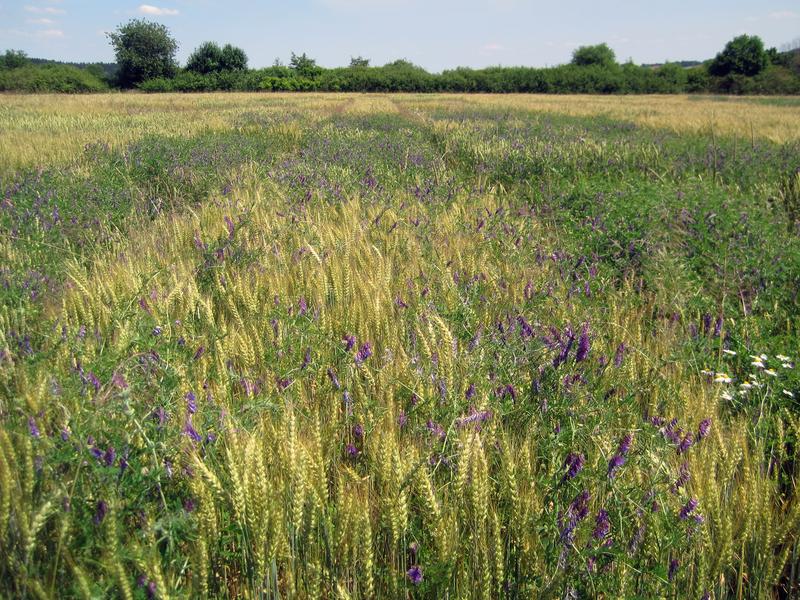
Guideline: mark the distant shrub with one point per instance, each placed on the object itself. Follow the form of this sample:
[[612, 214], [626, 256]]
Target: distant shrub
[[210, 58], [50, 78]]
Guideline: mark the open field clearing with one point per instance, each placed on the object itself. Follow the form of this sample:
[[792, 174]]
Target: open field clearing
[[360, 346]]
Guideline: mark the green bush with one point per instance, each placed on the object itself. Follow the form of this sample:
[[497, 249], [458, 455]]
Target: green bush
[[62, 79]]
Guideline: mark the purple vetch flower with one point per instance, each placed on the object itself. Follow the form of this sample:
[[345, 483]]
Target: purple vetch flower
[[109, 456], [414, 574], [673, 568], [602, 525], [101, 510], [306, 358], [334, 379], [364, 352], [470, 393], [703, 429], [33, 429], [718, 326], [358, 431], [573, 464], [683, 477], [625, 444], [229, 226], [525, 329], [191, 432], [351, 451], [435, 429], [402, 418], [200, 351], [303, 306], [574, 514], [92, 378], [584, 344], [476, 416], [619, 355], [191, 402], [563, 354], [157, 330], [688, 509], [64, 434], [636, 539], [686, 443], [615, 464], [349, 342], [348, 403]]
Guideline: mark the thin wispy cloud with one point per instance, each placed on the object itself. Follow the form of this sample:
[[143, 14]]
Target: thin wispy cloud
[[50, 33], [157, 11], [42, 21], [44, 10], [492, 47], [784, 14]]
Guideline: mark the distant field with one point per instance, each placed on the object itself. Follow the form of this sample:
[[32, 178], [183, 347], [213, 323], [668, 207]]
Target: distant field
[[46, 128], [428, 346]]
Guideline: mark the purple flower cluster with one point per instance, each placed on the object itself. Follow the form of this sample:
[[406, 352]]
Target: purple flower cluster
[[414, 574], [576, 512], [602, 527], [364, 352], [618, 459], [688, 509], [573, 464]]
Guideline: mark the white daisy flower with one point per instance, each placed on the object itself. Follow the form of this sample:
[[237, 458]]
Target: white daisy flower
[[730, 352], [707, 372], [727, 396], [746, 385], [722, 378], [787, 365], [788, 393], [770, 372], [782, 358], [757, 363]]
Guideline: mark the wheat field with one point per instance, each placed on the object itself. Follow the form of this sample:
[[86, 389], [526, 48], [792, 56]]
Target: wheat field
[[388, 346]]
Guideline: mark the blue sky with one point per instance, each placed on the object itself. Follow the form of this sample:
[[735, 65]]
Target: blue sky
[[437, 34]]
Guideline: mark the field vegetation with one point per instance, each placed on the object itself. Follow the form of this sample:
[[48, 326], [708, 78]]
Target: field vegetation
[[358, 346]]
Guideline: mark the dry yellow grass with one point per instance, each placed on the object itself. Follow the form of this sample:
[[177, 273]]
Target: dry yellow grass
[[38, 130]]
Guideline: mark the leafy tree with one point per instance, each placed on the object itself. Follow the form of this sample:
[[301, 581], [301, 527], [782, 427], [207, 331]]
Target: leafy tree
[[600, 55], [13, 59], [144, 50], [233, 58], [304, 66], [743, 55], [358, 61], [205, 58]]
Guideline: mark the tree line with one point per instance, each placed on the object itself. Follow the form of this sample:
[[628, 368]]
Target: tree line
[[146, 59]]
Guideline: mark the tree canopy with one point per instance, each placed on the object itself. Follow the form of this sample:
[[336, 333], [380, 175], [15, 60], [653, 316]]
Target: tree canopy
[[743, 55], [208, 57], [144, 50], [600, 55]]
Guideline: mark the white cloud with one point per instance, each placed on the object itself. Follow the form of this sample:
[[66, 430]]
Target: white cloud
[[148, 9], [784, 14], [42, 21], [50, 33], [493, 47], [44, 10]]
